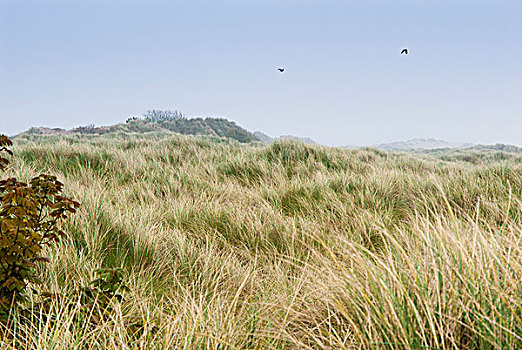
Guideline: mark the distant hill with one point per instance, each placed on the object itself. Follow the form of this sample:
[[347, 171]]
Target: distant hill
[[453, 150], [421, 144], [297, 138], [218, 127], [43, 131], [265, 138], [479, 154], [498, 147]]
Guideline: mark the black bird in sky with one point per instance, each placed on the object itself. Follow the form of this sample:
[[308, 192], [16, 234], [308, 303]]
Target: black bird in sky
[[404, 51], [281, 69]]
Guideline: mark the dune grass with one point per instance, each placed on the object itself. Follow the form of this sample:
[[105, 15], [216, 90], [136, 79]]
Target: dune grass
[[285, 246]]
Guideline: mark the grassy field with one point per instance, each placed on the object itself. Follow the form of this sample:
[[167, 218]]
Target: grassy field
[[282, 246]]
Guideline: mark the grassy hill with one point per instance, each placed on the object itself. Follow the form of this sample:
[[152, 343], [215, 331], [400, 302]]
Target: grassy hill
[[421, 144], [265, 138], [434, 146], [480, 154], [282, 246], [147, 128]]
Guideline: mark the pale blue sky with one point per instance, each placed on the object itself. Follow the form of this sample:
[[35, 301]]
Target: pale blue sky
[[70, 63]]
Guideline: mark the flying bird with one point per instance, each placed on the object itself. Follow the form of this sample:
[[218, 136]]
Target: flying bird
[[281, 69], [404, 51]]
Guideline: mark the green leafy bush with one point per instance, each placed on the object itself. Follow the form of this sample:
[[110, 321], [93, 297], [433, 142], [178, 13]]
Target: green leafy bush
[[30, 215], [94, 301]]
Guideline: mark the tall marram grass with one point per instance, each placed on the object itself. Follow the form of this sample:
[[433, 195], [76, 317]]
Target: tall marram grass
[[285, 246]]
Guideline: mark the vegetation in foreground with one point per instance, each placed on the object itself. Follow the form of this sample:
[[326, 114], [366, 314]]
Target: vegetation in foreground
[[286, 246]]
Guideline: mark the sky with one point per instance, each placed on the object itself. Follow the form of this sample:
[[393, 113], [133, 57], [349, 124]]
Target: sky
[[72, 63]]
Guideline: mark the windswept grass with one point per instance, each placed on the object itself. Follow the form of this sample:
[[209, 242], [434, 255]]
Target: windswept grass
[[286, 246]]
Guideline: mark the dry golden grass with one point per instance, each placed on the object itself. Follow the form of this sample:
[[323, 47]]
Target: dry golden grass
[[286, 246]]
